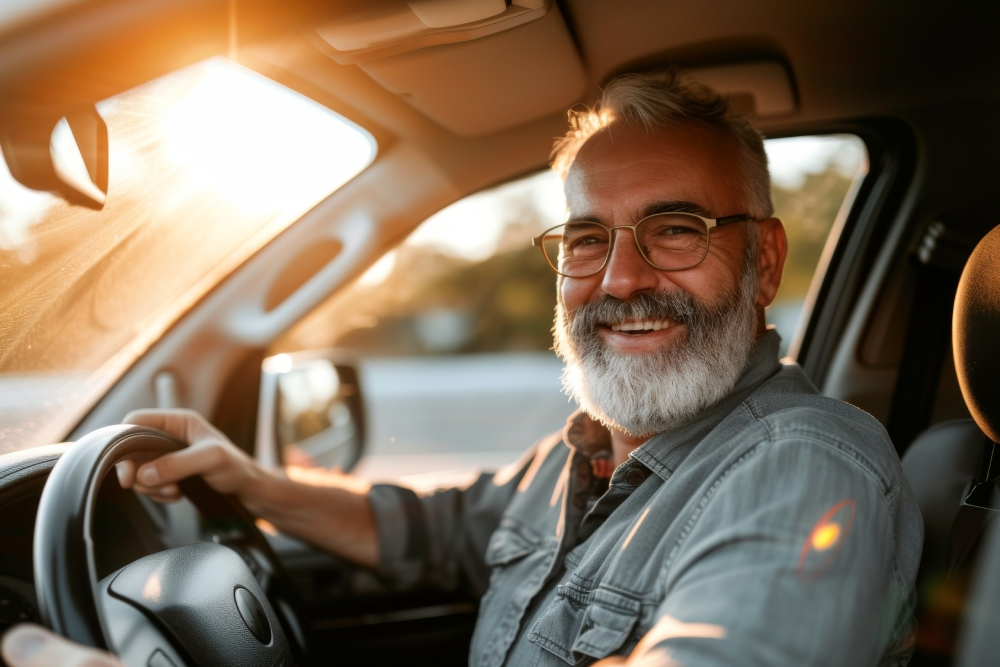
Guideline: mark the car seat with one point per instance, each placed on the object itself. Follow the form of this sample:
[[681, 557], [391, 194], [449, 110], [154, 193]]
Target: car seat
[[953, 467]]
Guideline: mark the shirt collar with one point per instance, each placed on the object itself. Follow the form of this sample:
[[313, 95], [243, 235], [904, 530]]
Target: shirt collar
[[664, 452]]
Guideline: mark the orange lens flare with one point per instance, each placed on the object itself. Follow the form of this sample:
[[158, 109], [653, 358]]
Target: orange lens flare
[[826, 536], [825, 540]]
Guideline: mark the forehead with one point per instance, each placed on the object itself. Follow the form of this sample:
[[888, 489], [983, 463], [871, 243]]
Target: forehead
[[621, 169]]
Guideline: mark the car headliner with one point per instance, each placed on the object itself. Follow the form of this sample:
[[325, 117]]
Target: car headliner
[[846, 58]]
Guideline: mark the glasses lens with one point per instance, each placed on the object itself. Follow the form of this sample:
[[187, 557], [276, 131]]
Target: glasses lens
[[577, 249], [673, 240]]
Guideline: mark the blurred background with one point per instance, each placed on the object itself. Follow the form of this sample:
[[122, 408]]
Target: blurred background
[[452, 329]]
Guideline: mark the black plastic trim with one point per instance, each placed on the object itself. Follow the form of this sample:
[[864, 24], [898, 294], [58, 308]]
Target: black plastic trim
[[892, 151]]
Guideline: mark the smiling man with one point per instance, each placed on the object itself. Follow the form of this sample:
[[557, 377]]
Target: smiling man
[[661, 303], [706, 506]]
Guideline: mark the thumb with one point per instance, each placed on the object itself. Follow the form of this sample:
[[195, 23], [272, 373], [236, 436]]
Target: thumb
[[34, 646]]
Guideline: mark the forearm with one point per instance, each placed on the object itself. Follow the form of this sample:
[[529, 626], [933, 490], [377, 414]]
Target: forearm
[[328, 510]]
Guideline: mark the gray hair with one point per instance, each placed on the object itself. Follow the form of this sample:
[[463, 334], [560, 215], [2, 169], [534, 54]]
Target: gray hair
[[667, 99]]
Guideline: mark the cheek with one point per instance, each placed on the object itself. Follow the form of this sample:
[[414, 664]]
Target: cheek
[[574, 292], [709, 283], [720, 273]]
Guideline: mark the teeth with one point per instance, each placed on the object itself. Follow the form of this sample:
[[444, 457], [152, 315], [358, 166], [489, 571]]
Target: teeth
[[642, 325]]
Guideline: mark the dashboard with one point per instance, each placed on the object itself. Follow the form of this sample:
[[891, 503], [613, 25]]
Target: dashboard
[[21, 483]]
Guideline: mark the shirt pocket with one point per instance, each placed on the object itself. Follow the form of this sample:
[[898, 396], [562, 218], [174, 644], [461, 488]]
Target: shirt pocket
[[581, 626], [507, 555], [517, 558], [510, 543]]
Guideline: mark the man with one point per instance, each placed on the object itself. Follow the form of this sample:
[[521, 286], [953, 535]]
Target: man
[[706, 506]]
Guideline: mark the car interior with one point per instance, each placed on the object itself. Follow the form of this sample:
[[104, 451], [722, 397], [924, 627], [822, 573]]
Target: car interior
[[135, 293]]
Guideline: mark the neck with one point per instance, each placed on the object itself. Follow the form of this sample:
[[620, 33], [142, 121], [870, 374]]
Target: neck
[[761, 322], [622, 444]]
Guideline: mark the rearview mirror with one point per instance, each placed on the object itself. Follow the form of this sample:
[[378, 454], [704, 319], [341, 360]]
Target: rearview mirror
[[65, 153], [311, 413]]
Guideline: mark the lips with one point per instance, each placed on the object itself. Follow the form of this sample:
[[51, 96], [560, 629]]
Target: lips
[[641, 326], [651, 314]]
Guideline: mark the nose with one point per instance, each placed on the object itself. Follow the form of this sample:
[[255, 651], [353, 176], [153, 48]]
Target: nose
[[627, 273]]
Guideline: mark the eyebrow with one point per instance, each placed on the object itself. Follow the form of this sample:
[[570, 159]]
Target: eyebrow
[[672, 206], [654, 208]]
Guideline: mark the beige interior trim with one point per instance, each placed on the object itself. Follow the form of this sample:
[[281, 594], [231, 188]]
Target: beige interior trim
[[767, 82], [389, 29], [479, 87]]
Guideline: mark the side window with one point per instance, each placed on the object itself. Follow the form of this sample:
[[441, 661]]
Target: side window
[[452, 329], [812, 180]]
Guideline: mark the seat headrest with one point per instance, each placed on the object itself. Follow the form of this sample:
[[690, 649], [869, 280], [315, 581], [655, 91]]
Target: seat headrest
[[976, 334]]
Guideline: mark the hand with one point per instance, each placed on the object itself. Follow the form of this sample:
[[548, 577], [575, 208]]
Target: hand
[[28, 645], [332, 512], [222, 465]]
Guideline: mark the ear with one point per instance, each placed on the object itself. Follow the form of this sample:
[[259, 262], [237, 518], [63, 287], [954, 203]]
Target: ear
[[771, 252]]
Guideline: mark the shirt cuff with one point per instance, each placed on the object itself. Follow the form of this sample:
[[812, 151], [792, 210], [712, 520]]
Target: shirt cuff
[[402, 533]]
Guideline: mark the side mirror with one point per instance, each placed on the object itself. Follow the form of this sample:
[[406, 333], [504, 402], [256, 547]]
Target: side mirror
[[311, 412], [63, 152]]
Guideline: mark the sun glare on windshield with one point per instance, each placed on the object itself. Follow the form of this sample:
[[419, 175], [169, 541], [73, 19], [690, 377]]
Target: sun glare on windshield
[[232, 121], [206, 165]]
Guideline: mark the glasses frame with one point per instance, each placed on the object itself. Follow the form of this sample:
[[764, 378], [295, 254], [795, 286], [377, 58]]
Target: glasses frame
[[710, 224]]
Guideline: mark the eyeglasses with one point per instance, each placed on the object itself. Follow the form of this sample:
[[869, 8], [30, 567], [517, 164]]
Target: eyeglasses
[[667, 241]]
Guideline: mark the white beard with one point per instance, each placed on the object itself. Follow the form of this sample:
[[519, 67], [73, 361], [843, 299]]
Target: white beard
[[645, 394]]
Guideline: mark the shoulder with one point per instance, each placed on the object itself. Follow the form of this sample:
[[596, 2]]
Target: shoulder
[[791, 419]]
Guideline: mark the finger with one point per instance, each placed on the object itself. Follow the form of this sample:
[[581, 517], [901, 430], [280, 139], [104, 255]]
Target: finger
[[167, 493], [185, 425], [173, 422], [126, 473], [33, 646], [201, 458]]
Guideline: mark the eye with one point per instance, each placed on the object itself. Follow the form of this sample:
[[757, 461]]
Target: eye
[[584, 238], [664, 228], [587, 243], [674, 231]]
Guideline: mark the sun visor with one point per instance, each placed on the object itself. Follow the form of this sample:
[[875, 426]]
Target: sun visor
[[489, 84], [483, 85], [390, 27], [764, 87]]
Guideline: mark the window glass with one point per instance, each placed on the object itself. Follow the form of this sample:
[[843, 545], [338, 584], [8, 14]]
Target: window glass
[[206, 165], [812, 179], [453, 327]]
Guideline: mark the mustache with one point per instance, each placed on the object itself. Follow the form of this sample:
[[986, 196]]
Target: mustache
[[678, 306]]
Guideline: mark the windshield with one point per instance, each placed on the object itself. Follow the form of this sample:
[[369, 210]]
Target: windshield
[[207, 165]]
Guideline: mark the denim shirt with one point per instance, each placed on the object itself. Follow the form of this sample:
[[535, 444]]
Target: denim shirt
[[775, 529]]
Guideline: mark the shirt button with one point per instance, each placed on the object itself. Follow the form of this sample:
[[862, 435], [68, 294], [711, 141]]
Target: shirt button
[[634, 477]]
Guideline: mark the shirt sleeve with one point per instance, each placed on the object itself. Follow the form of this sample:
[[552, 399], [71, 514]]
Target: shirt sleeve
[[791, 562], [439, 538]]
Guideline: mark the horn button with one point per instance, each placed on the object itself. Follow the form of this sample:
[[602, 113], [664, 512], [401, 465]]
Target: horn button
[[253, 615], [204, 597]]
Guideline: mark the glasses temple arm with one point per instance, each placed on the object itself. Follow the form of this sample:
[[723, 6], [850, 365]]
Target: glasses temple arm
[[729, 219]]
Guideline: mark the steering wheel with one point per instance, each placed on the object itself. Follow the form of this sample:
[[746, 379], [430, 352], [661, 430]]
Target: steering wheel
[[192, 605]]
